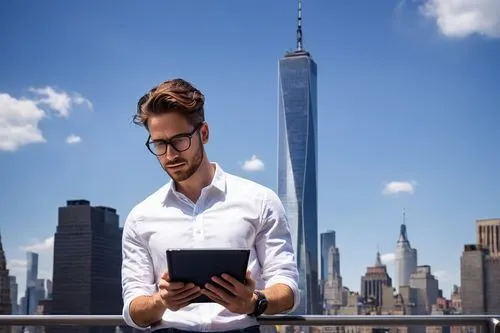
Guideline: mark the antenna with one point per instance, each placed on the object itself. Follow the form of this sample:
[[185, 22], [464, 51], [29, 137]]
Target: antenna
[[299, 27], [404, 216]]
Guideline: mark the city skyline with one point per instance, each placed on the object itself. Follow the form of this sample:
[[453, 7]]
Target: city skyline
[[407, 110], [387, 259]]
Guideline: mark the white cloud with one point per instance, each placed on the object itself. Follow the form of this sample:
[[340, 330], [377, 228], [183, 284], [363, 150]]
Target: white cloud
[[72, 139], [396, 187], [253, 164], [20, 117], [17, 265], [45, 245], [387, 258], [461, 18], [19, 120], [59, 101]]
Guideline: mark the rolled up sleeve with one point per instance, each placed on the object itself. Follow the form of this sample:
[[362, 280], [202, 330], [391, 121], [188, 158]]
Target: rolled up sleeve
[[137, 269], [275, 249]]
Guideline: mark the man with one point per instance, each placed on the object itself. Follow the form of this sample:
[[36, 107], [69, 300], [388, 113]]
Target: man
[[202, 206]]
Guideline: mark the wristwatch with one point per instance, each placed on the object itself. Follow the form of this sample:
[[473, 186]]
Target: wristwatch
[[260, 304]]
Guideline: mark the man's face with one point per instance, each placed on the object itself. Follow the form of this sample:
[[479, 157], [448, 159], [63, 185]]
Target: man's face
[[175, 129]]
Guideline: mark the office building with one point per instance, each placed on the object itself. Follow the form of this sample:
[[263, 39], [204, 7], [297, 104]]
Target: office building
[[87, 264], [14, 287], [297, 164], [373, 283], [405, 261], [327, 241], [427, 287], [488, 235], [5, 300], [480, 281]]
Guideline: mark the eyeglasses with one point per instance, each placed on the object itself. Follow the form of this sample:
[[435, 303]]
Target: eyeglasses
[[180, 142]]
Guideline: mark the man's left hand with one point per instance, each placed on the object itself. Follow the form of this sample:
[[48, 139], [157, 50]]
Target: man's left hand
[[232, 294]]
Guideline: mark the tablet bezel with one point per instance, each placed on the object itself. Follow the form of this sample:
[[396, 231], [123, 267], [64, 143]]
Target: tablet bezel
[[198, 257]]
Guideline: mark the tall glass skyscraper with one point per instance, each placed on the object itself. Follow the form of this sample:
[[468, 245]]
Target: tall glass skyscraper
[[327, 240], [297, 164], [31, 268]]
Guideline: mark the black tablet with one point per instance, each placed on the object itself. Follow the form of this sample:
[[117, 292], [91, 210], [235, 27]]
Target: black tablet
[[199, 265]]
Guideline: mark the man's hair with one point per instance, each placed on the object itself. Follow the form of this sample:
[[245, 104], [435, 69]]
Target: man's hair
[[173, 95]]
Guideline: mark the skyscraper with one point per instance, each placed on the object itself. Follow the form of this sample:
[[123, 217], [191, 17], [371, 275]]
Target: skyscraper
[[31, 268], [5, 305], [87, 264], [327, 240], [297, 163], [405, 260], [374, 281], [13, 294], [31, 302]]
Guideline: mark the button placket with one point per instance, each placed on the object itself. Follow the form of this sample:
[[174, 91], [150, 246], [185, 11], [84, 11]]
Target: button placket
[[198, 224]]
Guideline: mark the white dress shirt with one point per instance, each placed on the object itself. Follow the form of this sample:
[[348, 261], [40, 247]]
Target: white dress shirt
[[232, 212]]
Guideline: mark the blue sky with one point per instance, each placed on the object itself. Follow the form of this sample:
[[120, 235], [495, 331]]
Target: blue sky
[[408, 93]]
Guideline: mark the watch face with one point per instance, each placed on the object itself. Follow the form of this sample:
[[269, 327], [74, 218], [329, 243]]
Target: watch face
[[262, 305]]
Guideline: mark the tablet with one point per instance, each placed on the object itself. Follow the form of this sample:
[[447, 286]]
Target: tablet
[[199, 265]]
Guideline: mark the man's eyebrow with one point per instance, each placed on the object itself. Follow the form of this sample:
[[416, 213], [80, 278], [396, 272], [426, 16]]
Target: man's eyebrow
[[169, 138]]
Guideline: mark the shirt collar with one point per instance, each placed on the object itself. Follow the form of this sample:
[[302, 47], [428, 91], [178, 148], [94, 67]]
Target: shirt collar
[[218, 181]]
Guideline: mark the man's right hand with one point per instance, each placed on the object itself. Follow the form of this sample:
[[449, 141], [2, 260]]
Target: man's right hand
[[175, 295]]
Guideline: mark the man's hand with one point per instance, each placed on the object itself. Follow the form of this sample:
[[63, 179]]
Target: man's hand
[[232, 294], [175, 295]]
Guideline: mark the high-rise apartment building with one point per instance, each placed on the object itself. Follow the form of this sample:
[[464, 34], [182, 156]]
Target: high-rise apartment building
[[87, 264], [297, 164]]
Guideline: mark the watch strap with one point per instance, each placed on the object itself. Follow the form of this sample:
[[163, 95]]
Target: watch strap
[[260, 304]]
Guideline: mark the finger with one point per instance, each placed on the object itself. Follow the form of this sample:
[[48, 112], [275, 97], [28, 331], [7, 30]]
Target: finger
[[170, 285], [184, 294], [224, 284], [232, 280], [165, 282], [214, 297], [220, 293], [185, 300], [179, 306]]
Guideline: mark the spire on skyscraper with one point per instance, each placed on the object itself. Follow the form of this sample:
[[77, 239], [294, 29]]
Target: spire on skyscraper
[[378, 261], [403, 236], [299, 27], [3, 260]]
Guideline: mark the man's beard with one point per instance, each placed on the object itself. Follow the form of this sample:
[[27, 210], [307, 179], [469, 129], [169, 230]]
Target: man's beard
[[192, 166]]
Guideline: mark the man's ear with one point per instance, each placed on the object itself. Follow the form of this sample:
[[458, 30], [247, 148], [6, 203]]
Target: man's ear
[[205, 133]]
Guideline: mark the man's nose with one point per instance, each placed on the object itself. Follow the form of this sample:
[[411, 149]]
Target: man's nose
[[171, 153]]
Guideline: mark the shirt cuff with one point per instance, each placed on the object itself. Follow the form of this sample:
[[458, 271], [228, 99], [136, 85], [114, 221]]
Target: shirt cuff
[[126, 313], [290, 283]]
